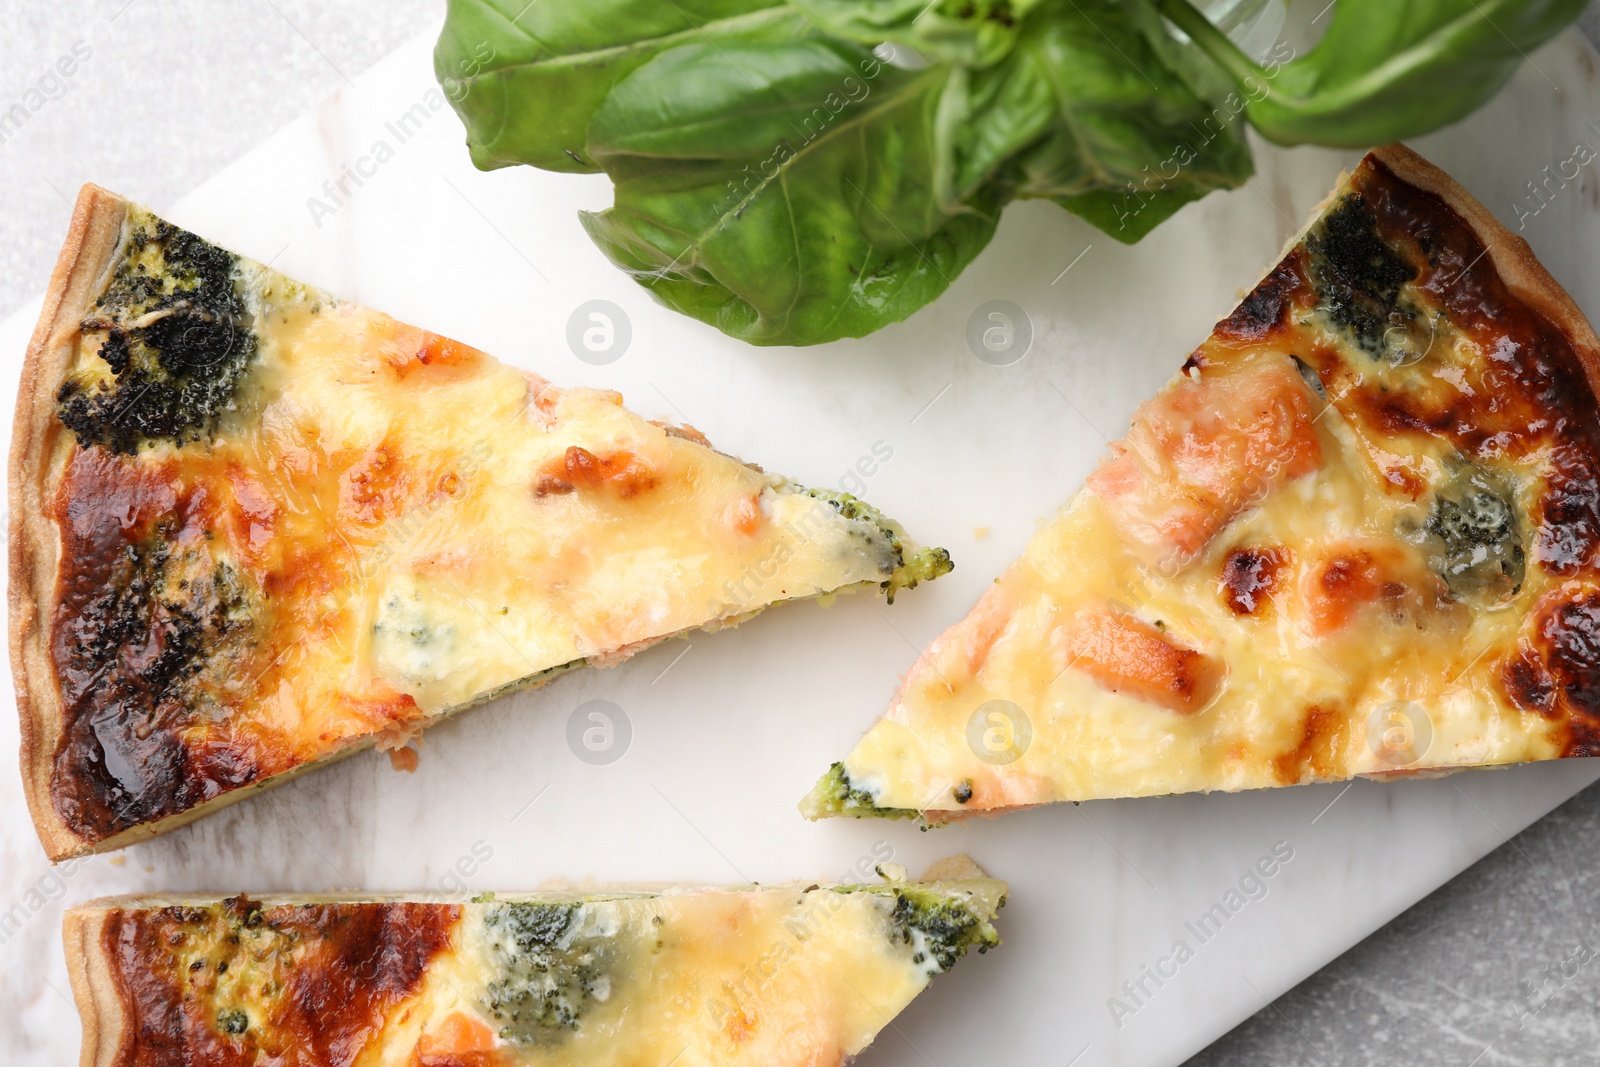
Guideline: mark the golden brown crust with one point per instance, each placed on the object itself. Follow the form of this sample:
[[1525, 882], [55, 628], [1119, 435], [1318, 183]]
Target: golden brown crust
[[1513, 259], [100, 1005], [79, 276]]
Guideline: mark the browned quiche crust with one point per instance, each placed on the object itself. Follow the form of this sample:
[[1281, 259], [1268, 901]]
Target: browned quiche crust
[[80, 275], [101, 1007]]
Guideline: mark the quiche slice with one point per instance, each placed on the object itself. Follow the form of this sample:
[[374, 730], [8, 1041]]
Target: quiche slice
[[762, 975], [254, 528], [1356, 534]]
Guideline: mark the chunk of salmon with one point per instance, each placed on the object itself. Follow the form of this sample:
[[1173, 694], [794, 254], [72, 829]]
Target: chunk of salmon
[[1207, 447], [406, 349], [1347, 577], [1125, 654], [462, 1040]]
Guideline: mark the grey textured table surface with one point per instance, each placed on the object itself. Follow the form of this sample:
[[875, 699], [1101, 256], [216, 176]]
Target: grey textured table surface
[[1500, 967]]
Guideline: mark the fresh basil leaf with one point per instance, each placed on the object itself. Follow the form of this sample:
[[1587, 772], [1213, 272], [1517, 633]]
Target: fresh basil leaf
[[782, 192], [1385, 70], [527, 77], [973, 33], [1083, 111]]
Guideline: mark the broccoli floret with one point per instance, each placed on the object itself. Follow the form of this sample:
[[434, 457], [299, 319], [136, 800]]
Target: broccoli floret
[[1476, 536], [233, 1022], [1358, 279], [551, 970], [940, 927], [177, 339], [834, 794], [905, 571]]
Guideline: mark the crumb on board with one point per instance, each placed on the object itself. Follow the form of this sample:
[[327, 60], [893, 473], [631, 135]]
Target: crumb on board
[[980, 532]]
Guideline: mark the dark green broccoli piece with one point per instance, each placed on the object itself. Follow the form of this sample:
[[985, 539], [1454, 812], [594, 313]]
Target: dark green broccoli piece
[[233, 1022], [904, 572], [178, 340], [551, 970], [835, 795], [1358, 279], [1475, 539], [947, 924]]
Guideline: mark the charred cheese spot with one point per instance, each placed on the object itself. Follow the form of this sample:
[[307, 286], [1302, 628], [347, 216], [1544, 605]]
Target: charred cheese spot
[[1319, 750], [1265, 311], [1570, 509], [1250, 577], [1354, 576], [1527, 683], [623, 473], [151, 629], [236, 984], [1562, 671], [375, 487]]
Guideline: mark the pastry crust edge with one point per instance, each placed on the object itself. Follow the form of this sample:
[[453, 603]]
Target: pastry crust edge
[[94, 987], [92, 241]]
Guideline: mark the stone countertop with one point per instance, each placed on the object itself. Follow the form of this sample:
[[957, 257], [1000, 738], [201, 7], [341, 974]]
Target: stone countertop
[[1497, 967]]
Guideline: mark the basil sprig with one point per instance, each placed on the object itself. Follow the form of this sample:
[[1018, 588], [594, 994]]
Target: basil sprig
[[781, 179]]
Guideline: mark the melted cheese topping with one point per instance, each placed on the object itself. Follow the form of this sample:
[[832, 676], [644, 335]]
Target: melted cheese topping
[[1253, 589], [479, 549]]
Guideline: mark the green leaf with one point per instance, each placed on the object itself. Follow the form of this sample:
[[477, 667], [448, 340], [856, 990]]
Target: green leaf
[[782, 192], [970, 32], [1385, 70], [527, 77], [1085, 112]]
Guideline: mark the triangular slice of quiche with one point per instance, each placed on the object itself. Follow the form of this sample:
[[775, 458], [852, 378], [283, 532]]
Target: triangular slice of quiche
[[776, 976], [254, 527], [1356, 535]]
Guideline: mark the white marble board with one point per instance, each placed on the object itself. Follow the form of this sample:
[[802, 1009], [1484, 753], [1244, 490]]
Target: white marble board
[[728, 731]]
